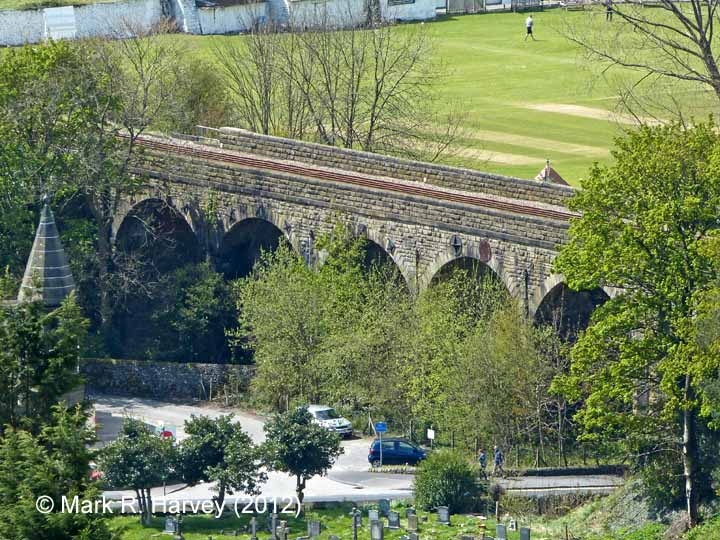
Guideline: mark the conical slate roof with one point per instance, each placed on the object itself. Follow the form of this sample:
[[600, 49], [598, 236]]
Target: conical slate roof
[[47, 275]]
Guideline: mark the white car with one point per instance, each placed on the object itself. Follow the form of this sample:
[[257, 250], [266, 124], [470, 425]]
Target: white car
[[328, 418]]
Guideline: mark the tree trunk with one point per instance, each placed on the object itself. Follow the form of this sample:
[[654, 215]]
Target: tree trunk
[[299, 490], [690, 454], [147, 516], [220, 499]]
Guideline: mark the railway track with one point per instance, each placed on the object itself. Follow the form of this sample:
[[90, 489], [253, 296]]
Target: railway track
[[357, 180]]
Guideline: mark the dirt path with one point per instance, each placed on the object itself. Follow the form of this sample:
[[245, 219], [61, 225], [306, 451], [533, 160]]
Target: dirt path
[[539, 143], [588, 112]]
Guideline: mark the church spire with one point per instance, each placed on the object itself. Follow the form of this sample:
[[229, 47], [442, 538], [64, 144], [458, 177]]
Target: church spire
[[47, 275]]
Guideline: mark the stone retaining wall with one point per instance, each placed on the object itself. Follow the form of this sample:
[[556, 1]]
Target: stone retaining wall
[[161, 380], [404, 169]]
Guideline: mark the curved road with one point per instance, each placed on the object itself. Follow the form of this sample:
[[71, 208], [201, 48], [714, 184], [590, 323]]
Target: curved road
[[349, 479]]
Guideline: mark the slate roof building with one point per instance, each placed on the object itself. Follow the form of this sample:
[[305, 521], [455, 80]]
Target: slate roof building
[[47, 275]]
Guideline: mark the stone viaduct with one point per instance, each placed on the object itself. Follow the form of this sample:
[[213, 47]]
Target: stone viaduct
[[238, 192]]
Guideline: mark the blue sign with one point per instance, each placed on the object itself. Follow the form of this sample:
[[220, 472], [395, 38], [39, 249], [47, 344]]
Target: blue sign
[[380, 427]]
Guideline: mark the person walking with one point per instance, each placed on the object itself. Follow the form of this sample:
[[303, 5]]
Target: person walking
[[499, 459], [529, 28], [482, 459], [608, 10]]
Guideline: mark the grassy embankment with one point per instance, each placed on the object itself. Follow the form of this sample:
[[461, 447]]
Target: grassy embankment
[[524, 102]]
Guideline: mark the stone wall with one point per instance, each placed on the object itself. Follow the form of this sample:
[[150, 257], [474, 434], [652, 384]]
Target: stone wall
[[101, 19], [230, 19], [160, 380], [19, 27], [416, 10], [375, 164]]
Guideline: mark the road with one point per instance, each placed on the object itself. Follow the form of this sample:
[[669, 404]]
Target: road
[[348, 479]]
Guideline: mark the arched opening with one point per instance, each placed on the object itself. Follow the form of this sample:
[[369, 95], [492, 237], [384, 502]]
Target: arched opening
[[470, 267], [378, 259], [243, 245], [476, 287], [157, 238], [156, 259], [568, 311]]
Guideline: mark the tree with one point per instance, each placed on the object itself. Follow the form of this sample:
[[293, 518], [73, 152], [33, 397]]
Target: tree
[[446, 478], [218, 450], [636, 368], [280, 310], [298, 446], [367, 87], [140, 460], [39, 355], [673, 42], [53, 464]]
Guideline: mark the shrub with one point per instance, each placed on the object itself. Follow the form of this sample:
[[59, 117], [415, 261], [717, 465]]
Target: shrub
[[446, 478]]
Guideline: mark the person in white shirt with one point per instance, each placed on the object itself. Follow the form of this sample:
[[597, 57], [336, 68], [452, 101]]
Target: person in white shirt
[[529, 27]]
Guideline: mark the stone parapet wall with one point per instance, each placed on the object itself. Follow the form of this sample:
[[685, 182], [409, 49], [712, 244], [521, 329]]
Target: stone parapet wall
[[308, 193], [161, 380], [403, 169]]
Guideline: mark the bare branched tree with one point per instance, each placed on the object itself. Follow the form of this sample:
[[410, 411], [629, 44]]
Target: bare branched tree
[[364, 87], [671, 46]]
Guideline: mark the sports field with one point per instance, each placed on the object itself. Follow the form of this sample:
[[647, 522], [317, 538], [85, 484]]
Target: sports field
[[525, 102]]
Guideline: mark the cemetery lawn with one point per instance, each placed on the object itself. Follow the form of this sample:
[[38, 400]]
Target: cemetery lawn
[[525, 102], [335, 521]]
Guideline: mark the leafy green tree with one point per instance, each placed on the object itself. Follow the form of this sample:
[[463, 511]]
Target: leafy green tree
[[218, 450], [446, 478], [636, 368], [39, 355], [281, 309], [140, 460], [298, 446], [53, 464]]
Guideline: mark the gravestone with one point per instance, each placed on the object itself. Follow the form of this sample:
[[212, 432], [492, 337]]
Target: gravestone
[[512, 526], [282, 531], [409, 512], [333, 537], [384, 505], [393, 520], [467, 537], [272, 518], [313, 529], [500, 532], [443, 513], [170, 525], [414, 536], [412, 523], [373, 515], [524, 533], [377, 531], [253, 528]]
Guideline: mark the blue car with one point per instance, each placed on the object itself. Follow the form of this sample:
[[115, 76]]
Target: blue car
[[395, 451]]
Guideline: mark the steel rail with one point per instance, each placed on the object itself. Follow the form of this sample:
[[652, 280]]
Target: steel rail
[[357, 180]]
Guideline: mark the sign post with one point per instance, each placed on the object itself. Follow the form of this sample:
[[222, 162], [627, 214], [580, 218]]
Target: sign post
[[380, 428], [431, 436]]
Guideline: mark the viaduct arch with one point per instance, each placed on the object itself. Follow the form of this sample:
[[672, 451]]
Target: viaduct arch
[[240, 192]]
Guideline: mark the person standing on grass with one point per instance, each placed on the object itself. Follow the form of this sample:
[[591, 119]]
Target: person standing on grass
[[608, 10], [499, 459], [529, 28]]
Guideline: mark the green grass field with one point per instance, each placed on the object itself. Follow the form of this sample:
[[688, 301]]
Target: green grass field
[[525, 102], [40, 4], [334, 521]]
